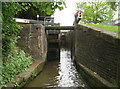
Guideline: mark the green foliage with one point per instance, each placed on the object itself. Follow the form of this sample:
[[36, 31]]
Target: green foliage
[[9, 26], [41, 8], [13, 63], [113, 5], [16, 63], [95, 12]]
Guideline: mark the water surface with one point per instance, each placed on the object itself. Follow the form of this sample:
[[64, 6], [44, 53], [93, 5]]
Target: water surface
[[59, 73]]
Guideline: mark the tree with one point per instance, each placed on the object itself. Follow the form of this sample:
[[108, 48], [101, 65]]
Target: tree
[[41, 8], [95, 12], [113, 5]]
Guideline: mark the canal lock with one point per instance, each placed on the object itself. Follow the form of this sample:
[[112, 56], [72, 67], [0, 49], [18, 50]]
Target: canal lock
[[60, 69]]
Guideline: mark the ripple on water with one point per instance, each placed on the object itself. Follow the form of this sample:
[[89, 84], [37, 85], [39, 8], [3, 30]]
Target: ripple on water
[[59, 74], [68, 75]]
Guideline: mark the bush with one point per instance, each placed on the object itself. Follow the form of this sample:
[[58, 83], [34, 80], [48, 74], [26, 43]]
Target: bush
[[16, 63]]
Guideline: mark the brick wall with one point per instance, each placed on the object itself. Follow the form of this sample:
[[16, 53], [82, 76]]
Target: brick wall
[[33, 40], [99, 52]]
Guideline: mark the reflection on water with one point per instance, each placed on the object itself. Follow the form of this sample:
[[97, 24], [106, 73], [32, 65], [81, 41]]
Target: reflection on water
[[59, 73], [68, 75]]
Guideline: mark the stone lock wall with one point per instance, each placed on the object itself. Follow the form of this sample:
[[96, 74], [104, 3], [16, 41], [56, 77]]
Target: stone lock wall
[[33, 40], [98, 51]]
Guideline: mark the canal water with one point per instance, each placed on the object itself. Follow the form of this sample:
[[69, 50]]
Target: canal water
[[59, 73]]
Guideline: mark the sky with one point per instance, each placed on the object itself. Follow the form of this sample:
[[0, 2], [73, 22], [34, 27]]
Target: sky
[[66, 16]]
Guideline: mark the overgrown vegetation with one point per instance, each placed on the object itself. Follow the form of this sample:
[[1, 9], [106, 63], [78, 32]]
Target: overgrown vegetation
[[106, 27], [14, 62], [9, 26], [17, 62]]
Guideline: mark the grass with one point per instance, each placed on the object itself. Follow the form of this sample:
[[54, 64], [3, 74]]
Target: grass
[[112, 28]]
